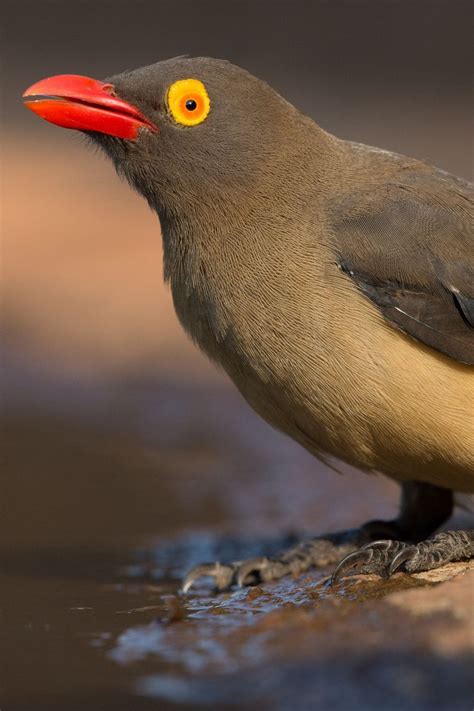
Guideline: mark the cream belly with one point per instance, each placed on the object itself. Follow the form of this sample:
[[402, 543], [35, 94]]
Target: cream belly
[[427, 428], [368, 395]]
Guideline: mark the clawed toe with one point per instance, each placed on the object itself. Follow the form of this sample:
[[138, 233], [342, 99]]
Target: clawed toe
[[251, 571], [380, 557], [240, 573], [401, 558], [351, 561], [223, 575]]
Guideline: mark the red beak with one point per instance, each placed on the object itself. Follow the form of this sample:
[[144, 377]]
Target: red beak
[[85, 104]]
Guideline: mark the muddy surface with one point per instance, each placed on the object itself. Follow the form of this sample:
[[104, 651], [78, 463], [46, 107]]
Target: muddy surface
[[112, 491]]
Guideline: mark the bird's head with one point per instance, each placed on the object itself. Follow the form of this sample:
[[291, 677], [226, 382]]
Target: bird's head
[[184, 132]]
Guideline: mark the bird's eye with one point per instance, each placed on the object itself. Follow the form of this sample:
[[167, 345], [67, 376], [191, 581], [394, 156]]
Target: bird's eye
[[188, 102]]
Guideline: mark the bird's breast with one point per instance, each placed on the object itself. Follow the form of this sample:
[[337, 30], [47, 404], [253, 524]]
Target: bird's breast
[[261, 326]]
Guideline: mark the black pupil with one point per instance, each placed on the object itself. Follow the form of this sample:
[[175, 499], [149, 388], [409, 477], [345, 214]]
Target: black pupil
[[191, 105]]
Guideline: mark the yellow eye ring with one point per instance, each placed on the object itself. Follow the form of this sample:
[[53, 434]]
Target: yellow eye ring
[[188, 102]]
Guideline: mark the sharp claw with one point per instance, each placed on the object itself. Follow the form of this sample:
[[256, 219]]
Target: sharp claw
[[350, 561], [222, 574], [400, 559], [199, 571], [249, 567]]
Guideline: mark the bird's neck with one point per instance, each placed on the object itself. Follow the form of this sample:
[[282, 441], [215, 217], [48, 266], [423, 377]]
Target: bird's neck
[[224, 256]]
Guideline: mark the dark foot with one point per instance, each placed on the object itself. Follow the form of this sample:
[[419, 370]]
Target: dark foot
[[317, 552], [424, 508], [387, 556]]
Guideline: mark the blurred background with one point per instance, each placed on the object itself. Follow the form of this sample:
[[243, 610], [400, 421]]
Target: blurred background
[[116, 431]]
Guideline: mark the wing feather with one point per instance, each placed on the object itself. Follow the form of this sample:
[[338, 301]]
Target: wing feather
[[408, 246]]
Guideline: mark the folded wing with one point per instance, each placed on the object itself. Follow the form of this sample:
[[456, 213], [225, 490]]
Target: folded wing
[[408, 245]]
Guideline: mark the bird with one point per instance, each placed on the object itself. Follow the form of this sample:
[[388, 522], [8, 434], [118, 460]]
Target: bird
[[332, 281]]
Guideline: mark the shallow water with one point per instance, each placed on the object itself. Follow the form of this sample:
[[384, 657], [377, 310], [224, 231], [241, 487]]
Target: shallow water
[[104, 510]]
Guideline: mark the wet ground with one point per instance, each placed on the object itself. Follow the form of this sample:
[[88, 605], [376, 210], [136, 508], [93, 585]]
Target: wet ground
[[111, 492]]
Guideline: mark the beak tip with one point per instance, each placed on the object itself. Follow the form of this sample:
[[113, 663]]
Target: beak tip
[[27, 93]]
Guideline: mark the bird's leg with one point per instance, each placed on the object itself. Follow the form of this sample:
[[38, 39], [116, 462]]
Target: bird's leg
[[423, 508]]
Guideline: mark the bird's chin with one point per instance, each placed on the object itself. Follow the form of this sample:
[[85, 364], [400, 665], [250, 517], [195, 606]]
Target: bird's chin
[[104, 141], [115, 149]]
